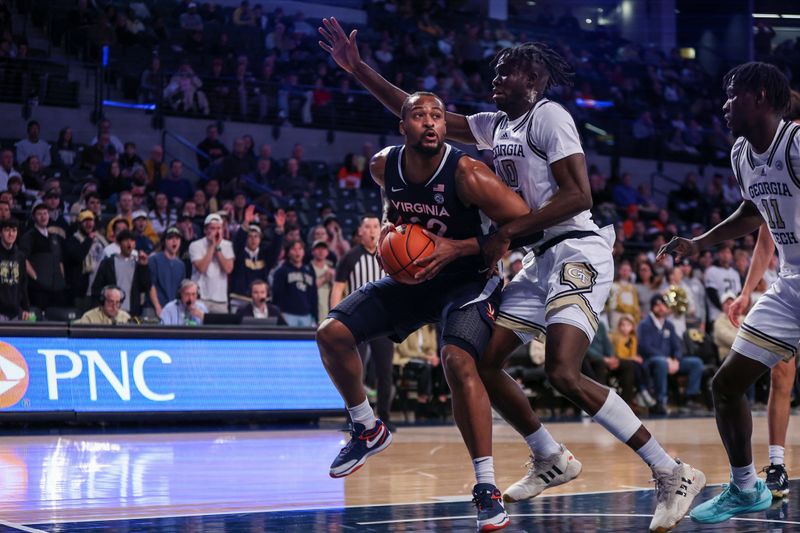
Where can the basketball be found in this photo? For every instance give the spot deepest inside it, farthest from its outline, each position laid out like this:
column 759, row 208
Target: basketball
column 401, row 248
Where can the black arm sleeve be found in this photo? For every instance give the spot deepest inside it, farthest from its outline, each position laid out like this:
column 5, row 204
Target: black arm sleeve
column 713, row 295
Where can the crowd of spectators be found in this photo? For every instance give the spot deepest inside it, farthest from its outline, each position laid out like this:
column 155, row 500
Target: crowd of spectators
column 98, row 228
column 251, row 63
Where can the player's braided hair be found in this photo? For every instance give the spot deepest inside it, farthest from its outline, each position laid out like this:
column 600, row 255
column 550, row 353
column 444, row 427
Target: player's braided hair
column 755, row 76
column 526, row 55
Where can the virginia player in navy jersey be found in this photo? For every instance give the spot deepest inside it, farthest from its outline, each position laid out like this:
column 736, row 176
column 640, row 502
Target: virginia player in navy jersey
column 435, row 185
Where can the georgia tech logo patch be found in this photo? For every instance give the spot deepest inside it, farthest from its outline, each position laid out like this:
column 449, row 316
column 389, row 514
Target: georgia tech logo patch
column 13, row 375
column 578, row 275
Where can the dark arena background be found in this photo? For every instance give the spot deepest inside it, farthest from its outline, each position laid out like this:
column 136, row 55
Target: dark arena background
column 181, row 184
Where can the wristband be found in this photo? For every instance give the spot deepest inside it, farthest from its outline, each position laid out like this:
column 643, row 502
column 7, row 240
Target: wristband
column 218, row 248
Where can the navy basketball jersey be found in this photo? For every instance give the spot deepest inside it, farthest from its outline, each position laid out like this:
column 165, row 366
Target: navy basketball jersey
column 435, row 205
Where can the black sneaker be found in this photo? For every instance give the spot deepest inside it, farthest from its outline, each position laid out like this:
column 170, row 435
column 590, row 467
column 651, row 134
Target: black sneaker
column 659, row 409
column 777, row 480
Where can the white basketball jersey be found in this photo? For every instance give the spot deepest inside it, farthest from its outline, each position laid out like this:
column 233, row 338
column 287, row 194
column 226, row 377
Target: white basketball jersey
column 525, row 148
column 772, row 182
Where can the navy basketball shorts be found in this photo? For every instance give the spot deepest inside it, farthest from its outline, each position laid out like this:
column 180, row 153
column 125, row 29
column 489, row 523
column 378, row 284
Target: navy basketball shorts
column 466, row 306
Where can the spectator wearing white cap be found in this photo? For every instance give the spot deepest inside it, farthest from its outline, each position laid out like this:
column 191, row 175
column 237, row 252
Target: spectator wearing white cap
column 191, row 19
column 140, row 222
column 212, row 260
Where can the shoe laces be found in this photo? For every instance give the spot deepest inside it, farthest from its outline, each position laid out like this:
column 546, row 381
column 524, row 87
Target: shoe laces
column 772, row 471
column 538, row 464
column 355, row 437
column 666, row 484
column 484, row 499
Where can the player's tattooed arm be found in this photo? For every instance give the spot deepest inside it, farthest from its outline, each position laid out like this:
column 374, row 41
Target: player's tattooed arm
column 343, row 48
column 746, row 219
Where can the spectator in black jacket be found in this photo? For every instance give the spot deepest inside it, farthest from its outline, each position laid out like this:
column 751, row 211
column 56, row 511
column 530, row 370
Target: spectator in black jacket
column 294, row 288
column 43, row 251
column 13, row 277
column 293, row 184
column 126, row 270
column 260, row 306
column 212, row 146
column 83, row 253
column 254, row 257
column 236, row 164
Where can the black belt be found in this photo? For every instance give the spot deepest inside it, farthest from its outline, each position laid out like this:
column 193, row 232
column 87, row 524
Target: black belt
column 574, row 234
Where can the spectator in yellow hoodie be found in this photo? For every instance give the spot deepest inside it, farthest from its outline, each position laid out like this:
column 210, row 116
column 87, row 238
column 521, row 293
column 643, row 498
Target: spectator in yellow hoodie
column 626, row 348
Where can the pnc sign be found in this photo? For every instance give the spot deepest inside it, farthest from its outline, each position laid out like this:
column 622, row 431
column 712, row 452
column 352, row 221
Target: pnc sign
column 13, row 375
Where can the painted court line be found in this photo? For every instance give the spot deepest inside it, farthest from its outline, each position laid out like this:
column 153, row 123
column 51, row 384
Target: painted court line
column 588, row 515
column 437, row 501
column 20, row 527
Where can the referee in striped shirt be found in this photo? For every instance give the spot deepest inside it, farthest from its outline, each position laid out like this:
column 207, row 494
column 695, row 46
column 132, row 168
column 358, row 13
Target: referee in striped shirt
column 358, row 267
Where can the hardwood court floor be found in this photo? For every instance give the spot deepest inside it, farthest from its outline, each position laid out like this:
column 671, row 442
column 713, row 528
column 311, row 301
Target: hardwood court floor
column 73, row 479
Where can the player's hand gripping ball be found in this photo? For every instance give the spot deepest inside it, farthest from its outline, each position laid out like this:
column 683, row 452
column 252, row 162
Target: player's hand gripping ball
column 400, row 248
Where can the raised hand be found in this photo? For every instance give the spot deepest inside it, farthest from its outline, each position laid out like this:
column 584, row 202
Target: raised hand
column 679, row 247
column 249, row 214
column 342, row 48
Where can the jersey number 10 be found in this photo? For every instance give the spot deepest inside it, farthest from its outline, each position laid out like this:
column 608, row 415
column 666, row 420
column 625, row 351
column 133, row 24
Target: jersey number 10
column 508, row 171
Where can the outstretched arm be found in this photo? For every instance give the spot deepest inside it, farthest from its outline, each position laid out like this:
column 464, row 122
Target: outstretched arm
column 344, row 50
column 746, row 219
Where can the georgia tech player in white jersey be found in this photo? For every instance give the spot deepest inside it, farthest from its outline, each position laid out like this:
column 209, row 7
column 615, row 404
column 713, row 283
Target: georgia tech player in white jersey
column 766, row 163
column 566, row 276
column 526, row 147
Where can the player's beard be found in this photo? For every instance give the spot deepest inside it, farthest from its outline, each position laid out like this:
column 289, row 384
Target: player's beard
column 428, row 150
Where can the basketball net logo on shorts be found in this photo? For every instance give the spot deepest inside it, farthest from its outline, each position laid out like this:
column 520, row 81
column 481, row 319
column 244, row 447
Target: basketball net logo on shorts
column 13, row 375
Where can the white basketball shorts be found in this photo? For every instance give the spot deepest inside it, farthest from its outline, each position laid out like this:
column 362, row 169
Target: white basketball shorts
column 567, row 284
column 771, row 330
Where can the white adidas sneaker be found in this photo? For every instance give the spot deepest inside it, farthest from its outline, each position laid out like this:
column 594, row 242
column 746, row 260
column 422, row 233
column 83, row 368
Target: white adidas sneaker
column 675, row 492
column 544, row 473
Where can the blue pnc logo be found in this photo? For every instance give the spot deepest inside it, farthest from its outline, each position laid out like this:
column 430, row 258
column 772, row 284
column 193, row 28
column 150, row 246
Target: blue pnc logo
column 72, row 367
column 119, row 375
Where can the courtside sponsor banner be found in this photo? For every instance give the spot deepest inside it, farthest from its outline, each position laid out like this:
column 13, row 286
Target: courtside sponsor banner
column 85, row 375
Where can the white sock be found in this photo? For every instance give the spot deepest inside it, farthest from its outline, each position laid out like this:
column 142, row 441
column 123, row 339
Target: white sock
column 744, row 477
column 542, row 443
column 363, row 414
column 656, row 457
column 617, row 417
column 775, row 454
column 484, row 469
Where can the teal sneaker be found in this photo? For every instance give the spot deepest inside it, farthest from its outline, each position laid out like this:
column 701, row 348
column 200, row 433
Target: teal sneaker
column 731, row 502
